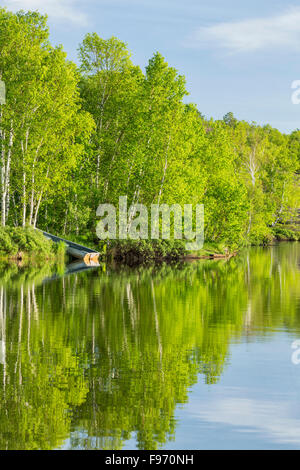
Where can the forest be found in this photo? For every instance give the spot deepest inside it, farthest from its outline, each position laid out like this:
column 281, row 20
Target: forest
column 73, row 136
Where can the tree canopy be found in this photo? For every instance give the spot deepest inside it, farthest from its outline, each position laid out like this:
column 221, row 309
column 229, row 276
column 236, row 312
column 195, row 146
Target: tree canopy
column 73, row 137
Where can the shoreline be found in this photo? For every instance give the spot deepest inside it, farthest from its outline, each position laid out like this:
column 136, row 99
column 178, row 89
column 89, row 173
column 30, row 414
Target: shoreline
column 25, row 259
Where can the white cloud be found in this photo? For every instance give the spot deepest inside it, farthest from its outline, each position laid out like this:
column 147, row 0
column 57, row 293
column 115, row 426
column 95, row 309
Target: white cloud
column 65, row 10
column 275, row 420
column 253, row 34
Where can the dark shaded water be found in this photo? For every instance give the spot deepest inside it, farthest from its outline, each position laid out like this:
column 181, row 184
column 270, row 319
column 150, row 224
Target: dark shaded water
column 195, row 357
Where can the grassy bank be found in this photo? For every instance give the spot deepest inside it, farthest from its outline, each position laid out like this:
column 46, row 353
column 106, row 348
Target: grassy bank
column 26, row 244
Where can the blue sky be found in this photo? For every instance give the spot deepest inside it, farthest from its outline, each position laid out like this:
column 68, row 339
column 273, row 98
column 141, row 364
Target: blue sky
column 238, row 56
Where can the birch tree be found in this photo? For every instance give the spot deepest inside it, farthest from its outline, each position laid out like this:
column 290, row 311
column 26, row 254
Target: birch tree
column 41, row 124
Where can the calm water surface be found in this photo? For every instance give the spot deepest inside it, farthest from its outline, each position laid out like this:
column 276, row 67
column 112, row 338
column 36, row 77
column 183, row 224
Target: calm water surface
column 195, row 357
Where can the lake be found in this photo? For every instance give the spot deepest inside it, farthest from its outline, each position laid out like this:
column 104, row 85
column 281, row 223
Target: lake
column 192, row 356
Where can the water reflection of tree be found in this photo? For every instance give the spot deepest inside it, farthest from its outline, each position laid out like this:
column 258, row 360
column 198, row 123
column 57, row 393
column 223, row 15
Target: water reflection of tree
column 113, row 354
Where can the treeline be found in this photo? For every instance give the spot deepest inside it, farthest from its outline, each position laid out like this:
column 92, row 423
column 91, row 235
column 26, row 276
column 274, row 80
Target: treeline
column 74, row 137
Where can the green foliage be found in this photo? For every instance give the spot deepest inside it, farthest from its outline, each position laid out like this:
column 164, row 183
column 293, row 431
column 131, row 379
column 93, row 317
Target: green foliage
column 42, row 128
column 281, row 233
column 7, row 245
column 133, row 251
column 60, row 250
column 14, row 240
column 73, row 138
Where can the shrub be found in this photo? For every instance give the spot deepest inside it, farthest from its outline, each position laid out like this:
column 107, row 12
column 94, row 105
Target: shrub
column 26, row 240
column 285, row 234
column 137, row 251
column 60, row 250
column 7, row 245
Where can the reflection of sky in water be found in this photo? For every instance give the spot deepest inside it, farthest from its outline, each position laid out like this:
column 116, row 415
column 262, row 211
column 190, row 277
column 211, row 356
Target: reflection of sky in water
column 253, row 407
column 256, row 406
